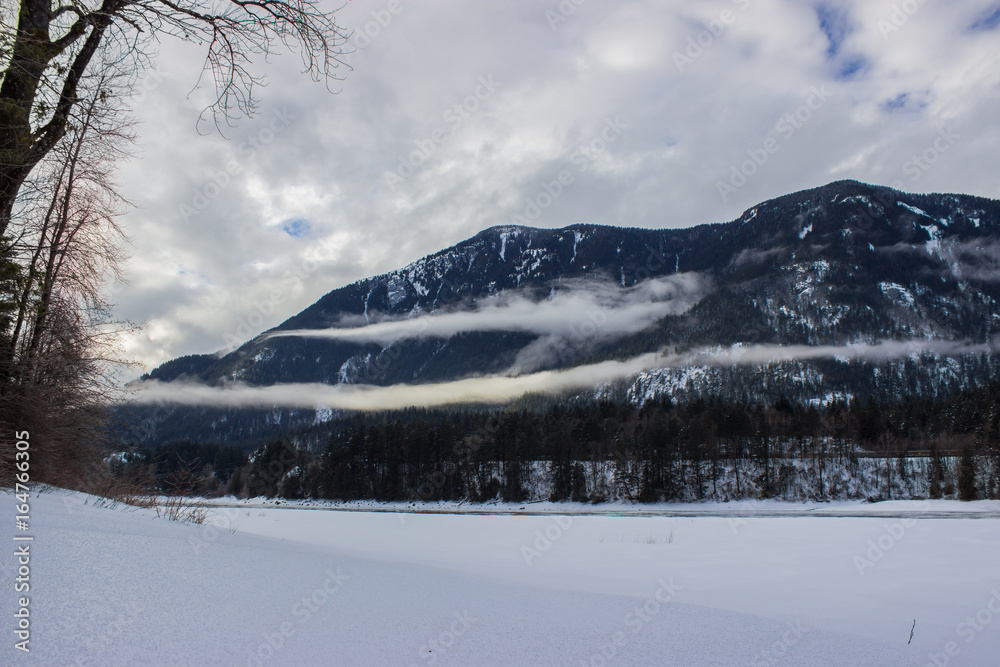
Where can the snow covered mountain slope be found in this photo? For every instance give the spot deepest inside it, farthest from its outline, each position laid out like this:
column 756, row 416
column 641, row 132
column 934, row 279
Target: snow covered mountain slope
column 842, row 264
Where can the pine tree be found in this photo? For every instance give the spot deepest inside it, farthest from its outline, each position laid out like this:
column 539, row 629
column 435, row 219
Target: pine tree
column 937, row 473
column 989, row 440
column 579, row 494
column 967, row 475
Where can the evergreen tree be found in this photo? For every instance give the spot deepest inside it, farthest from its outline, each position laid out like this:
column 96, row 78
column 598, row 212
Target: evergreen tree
column 560, row 465
column 967, row 475
column 271, row 463
column 937, row 473
column 579, row 492
column 989, row 442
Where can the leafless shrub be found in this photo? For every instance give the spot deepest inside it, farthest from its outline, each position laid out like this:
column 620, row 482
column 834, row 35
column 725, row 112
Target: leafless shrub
column 178, row 508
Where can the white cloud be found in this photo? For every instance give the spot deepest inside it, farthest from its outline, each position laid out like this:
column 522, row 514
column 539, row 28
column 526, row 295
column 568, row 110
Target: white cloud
column 611, row 311
column 575, row 316
column 495, row 389
column 195, row 282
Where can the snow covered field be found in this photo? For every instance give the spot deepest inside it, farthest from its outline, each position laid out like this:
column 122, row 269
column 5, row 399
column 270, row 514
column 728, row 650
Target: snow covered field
column 283, row 585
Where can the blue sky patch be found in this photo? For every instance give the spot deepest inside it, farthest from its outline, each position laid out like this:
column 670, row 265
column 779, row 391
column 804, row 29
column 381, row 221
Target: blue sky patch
column 852, row 67
column 835, row 25
column 988, row 20
column 906, row 102
column 898, row 102
column 296, row 228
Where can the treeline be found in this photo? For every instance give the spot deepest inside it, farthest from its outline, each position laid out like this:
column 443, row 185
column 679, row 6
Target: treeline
column 182, row 468
column 602, row 450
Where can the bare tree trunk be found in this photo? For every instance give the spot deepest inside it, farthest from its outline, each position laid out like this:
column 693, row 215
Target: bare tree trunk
column 58, row 355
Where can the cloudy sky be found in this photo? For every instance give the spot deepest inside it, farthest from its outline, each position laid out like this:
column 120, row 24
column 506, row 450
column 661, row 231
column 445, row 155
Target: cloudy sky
column 455, row 115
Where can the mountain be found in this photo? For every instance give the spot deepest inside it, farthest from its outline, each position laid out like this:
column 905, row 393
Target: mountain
column 845, row 263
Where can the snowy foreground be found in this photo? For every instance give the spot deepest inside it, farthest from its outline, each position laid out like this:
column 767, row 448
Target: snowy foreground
column 267, row 584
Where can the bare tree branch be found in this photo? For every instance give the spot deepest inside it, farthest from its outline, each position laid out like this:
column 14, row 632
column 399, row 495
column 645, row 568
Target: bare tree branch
column 48, row 57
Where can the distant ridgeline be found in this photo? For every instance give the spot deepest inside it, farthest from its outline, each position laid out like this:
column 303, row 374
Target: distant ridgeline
column 835, row 266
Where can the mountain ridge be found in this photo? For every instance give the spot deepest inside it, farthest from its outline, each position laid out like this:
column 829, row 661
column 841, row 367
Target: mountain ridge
column 847, row 262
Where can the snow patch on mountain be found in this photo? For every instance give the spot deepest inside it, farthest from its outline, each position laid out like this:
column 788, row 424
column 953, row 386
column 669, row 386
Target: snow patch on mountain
column 505, row 235
column 265, row 354
column 577, row 237
column 397, row 290
column 914, row 209
column 897, row 293
column 351, row 369
column 324, row 415
column 933, row 246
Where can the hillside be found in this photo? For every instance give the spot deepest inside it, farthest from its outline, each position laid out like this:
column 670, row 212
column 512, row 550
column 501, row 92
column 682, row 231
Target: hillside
column 843, row 264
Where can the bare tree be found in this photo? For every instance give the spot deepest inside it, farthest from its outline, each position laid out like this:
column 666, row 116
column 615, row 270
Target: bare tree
column 47, row 47
column 66, row 67
column 61, row 354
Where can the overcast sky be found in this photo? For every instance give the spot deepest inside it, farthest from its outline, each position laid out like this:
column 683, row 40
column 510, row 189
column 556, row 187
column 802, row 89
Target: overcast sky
column 652, row 110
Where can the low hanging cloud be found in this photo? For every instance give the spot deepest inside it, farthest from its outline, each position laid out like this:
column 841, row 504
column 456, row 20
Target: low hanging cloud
column 977, row 260
column 487, row 389
column 974, row 260
column 573, row 313
column 880, row 352
column 498, row 389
